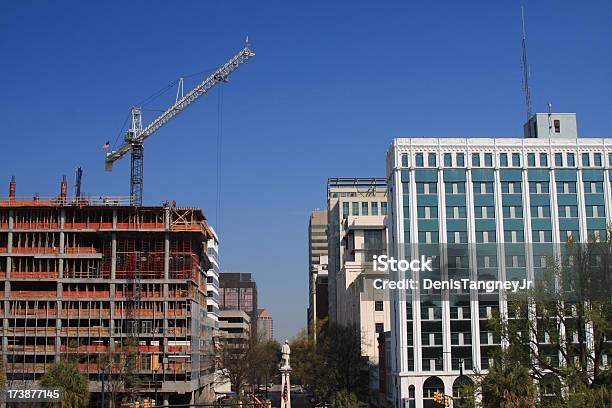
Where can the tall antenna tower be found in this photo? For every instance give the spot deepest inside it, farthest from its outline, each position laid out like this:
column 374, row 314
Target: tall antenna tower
column 525, row 65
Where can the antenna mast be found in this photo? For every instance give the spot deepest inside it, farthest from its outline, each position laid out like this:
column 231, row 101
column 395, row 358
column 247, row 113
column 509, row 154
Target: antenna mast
column 525, row 65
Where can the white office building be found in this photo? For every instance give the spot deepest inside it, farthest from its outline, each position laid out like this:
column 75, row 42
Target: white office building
column 483, row 207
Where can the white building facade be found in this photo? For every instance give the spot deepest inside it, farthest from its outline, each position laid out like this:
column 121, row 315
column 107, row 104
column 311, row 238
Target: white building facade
column 484, row 209
column 357, row 231
column 212, row 280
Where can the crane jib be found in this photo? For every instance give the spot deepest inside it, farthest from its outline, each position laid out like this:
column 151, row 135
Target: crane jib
column 221, row 74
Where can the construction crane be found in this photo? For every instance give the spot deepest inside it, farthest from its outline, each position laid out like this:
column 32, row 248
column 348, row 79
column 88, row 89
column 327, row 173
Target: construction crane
column 136, row 135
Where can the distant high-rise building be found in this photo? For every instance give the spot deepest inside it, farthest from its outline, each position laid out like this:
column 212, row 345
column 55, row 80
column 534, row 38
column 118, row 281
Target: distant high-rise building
column 484, row 210
column 265, row 325
column 317, row 267
column 238, row 291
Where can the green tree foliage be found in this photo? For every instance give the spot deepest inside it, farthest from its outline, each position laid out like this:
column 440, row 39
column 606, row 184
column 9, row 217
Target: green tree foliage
column 508, row 384
column 333, row 364
column 342, row 399
column 308, row 365
column 75, row 385
column 263, row 359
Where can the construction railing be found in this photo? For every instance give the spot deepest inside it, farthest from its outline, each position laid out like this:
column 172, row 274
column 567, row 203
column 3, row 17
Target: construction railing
column 35, row 275
column 91, row 348
column 65, row 201
column 33, row 293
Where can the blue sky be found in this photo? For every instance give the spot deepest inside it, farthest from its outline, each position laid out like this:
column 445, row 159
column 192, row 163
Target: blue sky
column 332, row 83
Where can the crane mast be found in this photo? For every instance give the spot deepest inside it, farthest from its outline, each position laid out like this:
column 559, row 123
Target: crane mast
column 136, row 135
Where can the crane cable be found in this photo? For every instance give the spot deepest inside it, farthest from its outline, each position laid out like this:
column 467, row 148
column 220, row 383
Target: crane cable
column 219, row 139
column 156, row 95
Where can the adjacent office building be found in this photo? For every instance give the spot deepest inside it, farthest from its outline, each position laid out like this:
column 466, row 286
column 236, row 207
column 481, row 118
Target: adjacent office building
column 357, row 233
column 483, row 209
column 235, row 328
column 238, row 291
column 317, row 268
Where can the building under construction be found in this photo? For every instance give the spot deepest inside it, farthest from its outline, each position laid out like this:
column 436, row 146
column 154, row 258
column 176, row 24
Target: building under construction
column 117, row 288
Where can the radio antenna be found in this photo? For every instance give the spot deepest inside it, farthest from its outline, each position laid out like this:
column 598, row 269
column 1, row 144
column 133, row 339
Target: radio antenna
column 525, row 65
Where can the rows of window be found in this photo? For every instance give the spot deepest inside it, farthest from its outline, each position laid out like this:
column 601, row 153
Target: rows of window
column 364, row 208
column 480, row 159
column 566, row 210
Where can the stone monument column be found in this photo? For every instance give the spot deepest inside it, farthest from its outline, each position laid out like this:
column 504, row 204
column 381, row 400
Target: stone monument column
column 285, row 370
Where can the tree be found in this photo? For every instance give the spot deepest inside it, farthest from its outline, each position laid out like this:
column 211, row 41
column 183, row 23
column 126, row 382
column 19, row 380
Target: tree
column 119, row 371
column 333, row 364
column 343, row 399
column 233, row 364
column 561, row 329
column 344, row 355
column 264, row 358
column 75, row 385
column 247, row 361
column 309, row 367
column 508, row 384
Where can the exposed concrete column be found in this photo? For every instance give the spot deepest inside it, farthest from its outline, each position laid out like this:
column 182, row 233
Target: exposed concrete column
column 166, row 277
column 5, row 325
column 166, row 256
column 9, row 244
column 113, row 255
column 166, row 245
column 7, row 287
column 62, row 237
column 60, row 269
column 113, row 285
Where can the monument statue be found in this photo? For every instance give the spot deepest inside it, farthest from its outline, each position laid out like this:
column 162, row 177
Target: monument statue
column 285, row 370
column 285, row 351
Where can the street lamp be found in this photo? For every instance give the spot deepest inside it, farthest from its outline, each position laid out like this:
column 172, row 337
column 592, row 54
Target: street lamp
column 460, row 379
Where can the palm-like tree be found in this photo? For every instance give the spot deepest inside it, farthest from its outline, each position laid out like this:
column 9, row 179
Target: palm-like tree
column 508, row 385
column 75, row 385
